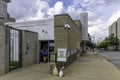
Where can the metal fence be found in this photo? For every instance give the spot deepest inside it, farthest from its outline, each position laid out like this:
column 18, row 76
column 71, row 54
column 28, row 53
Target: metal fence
column 15, row 47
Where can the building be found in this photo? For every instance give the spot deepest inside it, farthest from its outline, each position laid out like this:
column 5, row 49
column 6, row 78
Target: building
column 60, row 32
column 3, row 19
column 3, row 10
column 4, row 16
column 99, row 40
column 67, row 36
column 84, row 21
column 112, row 28
column 17, row 47
column 115, row 29
column 21, row 43
column 118, row 28
column 45, row 30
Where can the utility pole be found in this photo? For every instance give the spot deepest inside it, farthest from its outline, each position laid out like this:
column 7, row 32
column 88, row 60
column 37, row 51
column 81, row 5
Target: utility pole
column 93, row 42
column 116, row 38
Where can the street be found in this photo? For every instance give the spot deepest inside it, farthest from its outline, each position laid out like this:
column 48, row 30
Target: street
column 113, row 57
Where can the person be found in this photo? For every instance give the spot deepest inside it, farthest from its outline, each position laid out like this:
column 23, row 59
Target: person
column 44, row 54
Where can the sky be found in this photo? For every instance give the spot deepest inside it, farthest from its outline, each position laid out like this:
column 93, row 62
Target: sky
column 101, row 13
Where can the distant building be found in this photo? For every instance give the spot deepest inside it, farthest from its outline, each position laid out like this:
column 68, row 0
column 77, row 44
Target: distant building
column 84, row 21
column 118, row 28
column 99, row 40
column 112, row 28
column 115, row 29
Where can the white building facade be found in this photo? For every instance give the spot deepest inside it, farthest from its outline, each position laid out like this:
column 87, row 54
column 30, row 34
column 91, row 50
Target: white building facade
column 44, row 28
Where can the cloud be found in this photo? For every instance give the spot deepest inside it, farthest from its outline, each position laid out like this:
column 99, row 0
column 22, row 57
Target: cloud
column 57, row 9
column 114, row 18
column 73, row 11
column 33, row 10
column 98, row 29
column 102, row 13
column 20, row 9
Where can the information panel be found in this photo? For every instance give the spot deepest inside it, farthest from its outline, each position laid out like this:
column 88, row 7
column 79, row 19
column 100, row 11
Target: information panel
column 61, row 55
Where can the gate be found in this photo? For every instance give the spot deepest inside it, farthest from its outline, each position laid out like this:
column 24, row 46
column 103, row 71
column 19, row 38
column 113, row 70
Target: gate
column 15, row 47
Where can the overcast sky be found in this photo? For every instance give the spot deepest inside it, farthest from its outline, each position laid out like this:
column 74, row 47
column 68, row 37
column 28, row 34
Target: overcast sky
column 102, row 13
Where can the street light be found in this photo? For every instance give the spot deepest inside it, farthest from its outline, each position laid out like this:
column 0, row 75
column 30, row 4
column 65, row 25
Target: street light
column 93, row 42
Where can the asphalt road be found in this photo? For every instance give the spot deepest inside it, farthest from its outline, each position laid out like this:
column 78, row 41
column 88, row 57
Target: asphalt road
column 113, row 57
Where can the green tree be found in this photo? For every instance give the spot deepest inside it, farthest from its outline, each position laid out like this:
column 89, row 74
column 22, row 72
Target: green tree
column 102, row 45
column 89, row 44
column 111, row 41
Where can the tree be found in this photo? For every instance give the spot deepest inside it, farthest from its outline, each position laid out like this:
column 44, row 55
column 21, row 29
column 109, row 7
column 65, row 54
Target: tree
column 103, row 45
column 111, row 41
column 89, row 44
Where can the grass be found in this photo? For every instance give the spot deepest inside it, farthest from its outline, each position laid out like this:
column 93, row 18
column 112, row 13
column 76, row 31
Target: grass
column 14, row 63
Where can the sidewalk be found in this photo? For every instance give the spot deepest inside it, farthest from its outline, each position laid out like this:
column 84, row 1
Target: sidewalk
column 33, row 72
column 88, row 67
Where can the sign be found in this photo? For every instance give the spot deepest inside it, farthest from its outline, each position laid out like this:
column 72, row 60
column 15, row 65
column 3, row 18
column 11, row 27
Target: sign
column 62, row 55
column 84, row 21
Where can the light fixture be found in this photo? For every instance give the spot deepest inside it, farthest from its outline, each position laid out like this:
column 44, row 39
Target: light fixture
column 44, row 31
column 67, row 26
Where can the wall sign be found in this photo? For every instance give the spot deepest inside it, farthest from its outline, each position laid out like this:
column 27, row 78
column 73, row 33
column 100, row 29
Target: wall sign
column 62, row 55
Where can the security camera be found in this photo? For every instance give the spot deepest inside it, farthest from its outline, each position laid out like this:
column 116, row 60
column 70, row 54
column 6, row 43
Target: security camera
column 67, row 26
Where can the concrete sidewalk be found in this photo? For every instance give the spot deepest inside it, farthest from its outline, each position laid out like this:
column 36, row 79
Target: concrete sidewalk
column 33, row 72
column 88, row 67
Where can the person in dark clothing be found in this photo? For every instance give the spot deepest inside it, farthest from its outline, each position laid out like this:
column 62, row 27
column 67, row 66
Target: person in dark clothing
column 44, row 54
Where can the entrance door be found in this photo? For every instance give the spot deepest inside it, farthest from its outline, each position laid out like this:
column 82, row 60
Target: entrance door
column 50, row 48
column 15, row 48
column 42, row 45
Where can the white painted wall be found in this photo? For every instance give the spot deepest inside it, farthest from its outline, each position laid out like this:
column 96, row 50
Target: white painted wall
column 44, row 28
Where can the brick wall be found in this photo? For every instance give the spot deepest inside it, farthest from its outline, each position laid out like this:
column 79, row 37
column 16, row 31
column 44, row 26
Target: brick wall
column 29, row 48
column 79, row 25
column 7, row 46
column 66, row 38
column 2, row 50
column 3, row 9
